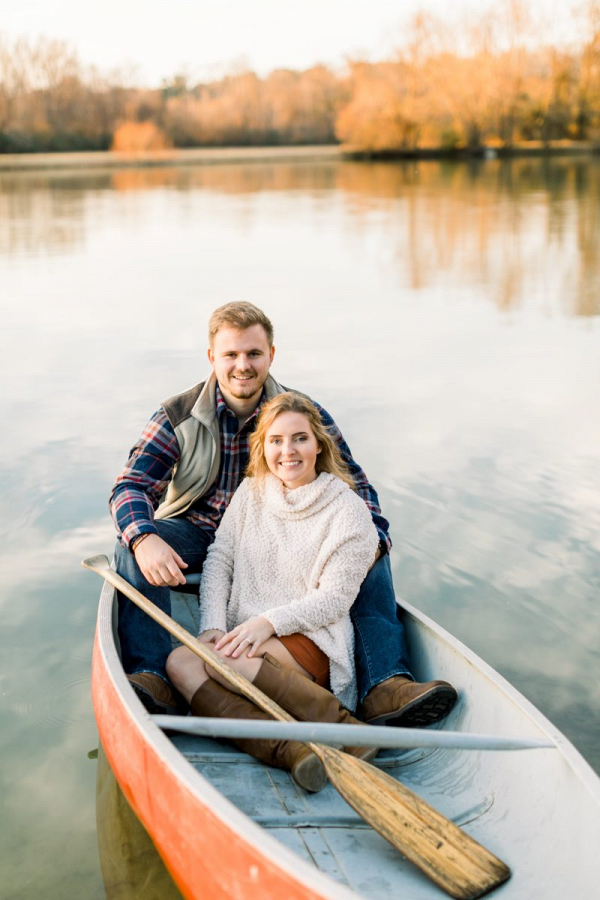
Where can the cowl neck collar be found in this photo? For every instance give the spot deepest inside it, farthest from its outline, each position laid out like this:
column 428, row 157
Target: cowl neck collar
column 302, row 501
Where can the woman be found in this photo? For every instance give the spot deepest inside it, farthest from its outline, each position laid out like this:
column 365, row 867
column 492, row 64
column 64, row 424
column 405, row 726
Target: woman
column 286, row 565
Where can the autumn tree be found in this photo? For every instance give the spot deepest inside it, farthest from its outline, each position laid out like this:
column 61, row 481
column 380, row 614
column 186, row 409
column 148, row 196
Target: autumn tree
column 587, row 115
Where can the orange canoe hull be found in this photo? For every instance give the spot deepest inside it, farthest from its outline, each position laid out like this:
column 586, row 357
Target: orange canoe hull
column 211, row 850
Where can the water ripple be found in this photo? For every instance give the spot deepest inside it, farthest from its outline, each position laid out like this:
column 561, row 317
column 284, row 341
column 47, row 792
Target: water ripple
column 59, row 706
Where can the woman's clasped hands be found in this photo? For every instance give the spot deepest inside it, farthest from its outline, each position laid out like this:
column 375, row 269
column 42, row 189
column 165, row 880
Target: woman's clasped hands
column 250, row 636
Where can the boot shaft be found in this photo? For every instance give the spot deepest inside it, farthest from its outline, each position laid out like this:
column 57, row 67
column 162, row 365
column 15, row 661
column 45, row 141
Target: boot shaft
column 305, row 700
column 212, row 699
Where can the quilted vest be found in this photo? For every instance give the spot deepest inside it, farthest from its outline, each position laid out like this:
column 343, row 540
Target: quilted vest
column 193, row 415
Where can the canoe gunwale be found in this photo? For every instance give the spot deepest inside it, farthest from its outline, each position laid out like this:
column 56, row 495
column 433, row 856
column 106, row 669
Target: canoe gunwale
column 579, row 766
column 279, row 870
column 107, row 665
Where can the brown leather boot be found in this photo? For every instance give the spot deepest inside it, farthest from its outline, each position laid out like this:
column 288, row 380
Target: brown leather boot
column 156, row 694
column 211, row 699
column 400, row 701
column 305, row 700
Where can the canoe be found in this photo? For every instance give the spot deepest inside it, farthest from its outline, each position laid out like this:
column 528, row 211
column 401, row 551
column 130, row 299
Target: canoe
column 228, row 827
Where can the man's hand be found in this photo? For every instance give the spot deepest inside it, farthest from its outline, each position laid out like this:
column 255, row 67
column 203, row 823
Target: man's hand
column 210, row 636
column 248, row 636
column 159, row 563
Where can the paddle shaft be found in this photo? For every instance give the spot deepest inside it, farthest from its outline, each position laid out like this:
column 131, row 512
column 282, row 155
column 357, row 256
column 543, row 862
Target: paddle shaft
column 101, row 566
column 451, row 858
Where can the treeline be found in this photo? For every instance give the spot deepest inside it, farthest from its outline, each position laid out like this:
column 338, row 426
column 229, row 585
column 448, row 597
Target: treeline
column 49, row 101
column 492, row 83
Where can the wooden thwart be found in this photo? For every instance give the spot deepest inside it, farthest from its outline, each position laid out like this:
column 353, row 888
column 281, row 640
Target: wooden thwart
column 446, row 854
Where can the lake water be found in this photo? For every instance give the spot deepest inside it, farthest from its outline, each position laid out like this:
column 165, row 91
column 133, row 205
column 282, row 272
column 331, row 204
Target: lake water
column 447, row 315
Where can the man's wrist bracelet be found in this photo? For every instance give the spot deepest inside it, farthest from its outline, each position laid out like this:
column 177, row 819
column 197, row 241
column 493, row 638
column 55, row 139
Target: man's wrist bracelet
column 136, row 543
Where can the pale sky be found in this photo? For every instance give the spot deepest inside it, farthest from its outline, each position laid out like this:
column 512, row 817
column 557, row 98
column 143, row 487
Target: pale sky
column 205, row 38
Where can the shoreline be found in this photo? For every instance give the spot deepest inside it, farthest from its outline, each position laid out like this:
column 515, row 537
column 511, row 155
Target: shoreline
column 310, row 153
column 164, row 158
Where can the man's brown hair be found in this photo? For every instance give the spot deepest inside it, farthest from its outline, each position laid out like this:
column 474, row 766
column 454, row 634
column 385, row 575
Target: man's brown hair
column 239, row 314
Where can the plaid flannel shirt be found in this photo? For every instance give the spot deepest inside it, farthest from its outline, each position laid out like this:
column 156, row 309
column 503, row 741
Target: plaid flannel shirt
column 143, row 481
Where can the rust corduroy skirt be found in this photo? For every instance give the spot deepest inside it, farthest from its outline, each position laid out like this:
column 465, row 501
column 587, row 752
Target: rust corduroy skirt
column 309, row 656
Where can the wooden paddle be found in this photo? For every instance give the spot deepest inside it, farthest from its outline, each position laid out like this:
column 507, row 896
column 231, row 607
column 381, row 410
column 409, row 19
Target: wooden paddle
column 451, row 858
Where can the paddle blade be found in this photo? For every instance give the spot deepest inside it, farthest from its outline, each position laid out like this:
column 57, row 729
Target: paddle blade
column 452, row 859
column 98, row 563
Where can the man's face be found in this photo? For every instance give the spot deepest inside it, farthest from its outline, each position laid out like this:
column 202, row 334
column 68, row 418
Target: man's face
column 241, row 360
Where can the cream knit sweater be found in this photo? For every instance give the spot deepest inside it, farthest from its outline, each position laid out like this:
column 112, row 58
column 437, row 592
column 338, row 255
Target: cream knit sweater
column 296, row 557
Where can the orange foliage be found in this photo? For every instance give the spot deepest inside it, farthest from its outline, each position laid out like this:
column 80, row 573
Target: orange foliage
column 287, row 107
column 138, row 137
column 381, row 114
column 490, row 80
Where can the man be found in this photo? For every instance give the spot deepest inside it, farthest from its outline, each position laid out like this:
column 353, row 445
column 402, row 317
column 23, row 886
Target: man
column 169, row 499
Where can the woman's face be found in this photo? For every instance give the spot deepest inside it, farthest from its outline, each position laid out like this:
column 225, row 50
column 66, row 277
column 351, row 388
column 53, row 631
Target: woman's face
column 291, row 449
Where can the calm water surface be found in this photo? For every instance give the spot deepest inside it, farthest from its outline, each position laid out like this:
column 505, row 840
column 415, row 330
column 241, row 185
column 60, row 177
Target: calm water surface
column 447, row 315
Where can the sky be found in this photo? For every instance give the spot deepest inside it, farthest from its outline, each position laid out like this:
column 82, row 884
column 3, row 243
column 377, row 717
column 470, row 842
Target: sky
column 157, row 39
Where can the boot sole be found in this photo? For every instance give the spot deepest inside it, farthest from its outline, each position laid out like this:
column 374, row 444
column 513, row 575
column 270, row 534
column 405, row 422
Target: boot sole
column 310, row 774
column 422, row 711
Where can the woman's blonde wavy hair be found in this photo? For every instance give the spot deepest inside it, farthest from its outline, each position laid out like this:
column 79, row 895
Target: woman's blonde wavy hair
column 328, row 460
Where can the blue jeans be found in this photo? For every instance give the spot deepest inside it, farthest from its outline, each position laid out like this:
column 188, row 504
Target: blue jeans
column 380, row 648
column 145, row 645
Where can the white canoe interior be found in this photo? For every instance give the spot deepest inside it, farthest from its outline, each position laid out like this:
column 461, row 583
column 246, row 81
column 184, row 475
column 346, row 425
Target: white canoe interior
column 538, row 810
